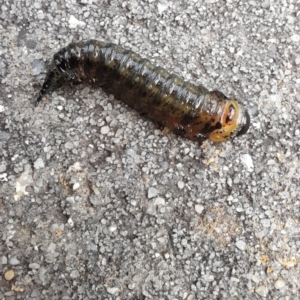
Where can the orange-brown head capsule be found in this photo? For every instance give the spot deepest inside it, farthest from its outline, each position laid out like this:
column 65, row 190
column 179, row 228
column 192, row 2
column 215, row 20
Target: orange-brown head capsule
column 234, row 121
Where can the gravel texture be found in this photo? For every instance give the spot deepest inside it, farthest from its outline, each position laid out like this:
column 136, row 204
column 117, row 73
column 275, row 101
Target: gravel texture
column 95, row 203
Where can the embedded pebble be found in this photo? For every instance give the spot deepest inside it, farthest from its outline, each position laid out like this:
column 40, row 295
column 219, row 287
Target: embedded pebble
column 22, row 182
column 180, row 184
column 39, row 164
column 199, row 209
column 105, row 130
column 34, row 293
column 241, row 245
column 70, row 222
column 3, row 260
column 9, row 275
column 76, row 185
column 279, row 284
column 159, row 201
column 255, row 278
column 247, row 161
column 131, row 286
column 113, row 228
column 262, row 291
column 42, row 272
column 40, row 15
column 73, row 22
column 161, row 7
column 152, row 192
column 34, row 266
column 234, row 279
column 262, row 233
column 3, row 177
column 4, row 136
column 14, row 261
column 2, row 168
column 131, row 153
column 68, row 145
column 295, row 38
column 112, row 290
column 266, row 222
column 37, row 66
column 208, row 278
column 74, row 274
column 2, row 108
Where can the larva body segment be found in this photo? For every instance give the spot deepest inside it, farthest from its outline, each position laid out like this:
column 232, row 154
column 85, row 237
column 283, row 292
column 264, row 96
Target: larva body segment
column 189, row 110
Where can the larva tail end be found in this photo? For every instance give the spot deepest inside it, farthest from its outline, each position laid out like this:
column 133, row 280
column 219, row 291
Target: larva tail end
column 39, row 99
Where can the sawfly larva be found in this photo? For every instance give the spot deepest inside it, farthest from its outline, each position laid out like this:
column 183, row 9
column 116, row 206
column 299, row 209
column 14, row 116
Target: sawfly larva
column 188, row 110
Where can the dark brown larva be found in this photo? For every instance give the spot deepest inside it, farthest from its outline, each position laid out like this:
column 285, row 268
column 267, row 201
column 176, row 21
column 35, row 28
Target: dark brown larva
column 188, row 110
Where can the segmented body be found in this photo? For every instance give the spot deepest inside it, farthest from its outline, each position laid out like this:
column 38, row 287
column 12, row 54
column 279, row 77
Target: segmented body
column 187, row 109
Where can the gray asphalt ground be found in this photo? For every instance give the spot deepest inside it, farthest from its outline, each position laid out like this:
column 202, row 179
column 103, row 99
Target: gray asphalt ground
column 95, row 203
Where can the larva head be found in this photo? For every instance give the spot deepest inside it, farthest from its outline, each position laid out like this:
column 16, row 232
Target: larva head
column 235, row 121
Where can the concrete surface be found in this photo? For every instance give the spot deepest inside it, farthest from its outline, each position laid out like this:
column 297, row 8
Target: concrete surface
column 96, row 204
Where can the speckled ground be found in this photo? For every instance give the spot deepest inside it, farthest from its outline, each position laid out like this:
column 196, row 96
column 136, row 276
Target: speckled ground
column 96, row 204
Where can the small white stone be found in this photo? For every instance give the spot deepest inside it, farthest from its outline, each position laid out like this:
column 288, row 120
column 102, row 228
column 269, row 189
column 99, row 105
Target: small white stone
column 152, row 192
column 74, row 274
column 70, row 222
column 199, row 209
column 113, row 228
column 34, row 266
column 131, row 286
column 112, row 290
column 21, row 183
column 159, row 201
column 234, row 279
column 14, row 261
column 247, row 161
column 3, row 177
column 68, row 145
column 279, row 284
column 208, row 278
column 47, row 149
column 73, row 22
column 104, row 130
column 39, row 164
column 76, row 185
column 131, row 153
column 262, row 291
column 2, row 108
column 3, row 260
column 266, row 222
column 295, row 38
column 255, row 277
column 240, row 245
column 180, row 184
column 40, row 15
column 162, row 7
column 184, row 242
column 123, row 40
